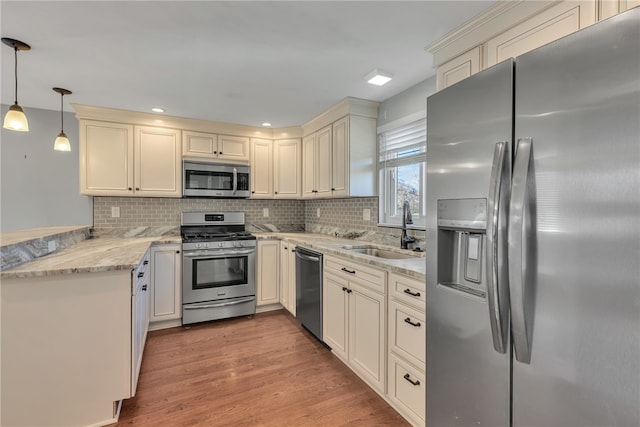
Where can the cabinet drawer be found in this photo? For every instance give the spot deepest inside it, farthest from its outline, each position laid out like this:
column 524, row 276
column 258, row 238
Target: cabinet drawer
column 374, row 278
column 409, row 291
column 407, row 389
column 407, row 332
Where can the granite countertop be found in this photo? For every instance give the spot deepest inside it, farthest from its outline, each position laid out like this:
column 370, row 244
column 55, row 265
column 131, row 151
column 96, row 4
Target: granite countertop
column 107, row 252
column 414, row 267
column 24, row 236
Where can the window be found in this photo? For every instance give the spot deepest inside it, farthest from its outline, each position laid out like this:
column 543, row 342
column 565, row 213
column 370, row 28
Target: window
column 403, row 172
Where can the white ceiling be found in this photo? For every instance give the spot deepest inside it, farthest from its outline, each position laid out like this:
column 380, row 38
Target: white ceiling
column 237, row 62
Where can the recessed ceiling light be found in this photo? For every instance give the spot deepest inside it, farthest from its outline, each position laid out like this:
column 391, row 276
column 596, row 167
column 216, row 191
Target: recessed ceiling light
column 378, row 77
column 266, row 124
column 157, row 110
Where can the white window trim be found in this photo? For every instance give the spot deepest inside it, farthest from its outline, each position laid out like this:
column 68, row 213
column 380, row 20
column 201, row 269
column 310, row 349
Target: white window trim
column 382, row 179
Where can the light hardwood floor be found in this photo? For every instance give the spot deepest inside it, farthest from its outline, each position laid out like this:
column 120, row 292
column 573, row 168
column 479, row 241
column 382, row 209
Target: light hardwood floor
column 264, row 370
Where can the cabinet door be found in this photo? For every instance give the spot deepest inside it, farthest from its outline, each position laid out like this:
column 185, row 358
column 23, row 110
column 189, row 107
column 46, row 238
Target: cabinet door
column 367, row 335
column 292, row 279
column 565, row 18
column 233, row 148
column 308, row 166
column 323, row 162
column 459, row 68
column 267, row 272
column 166, row 279
column 340, row 157
column 158, row 171
column 284, row 275
column 200, row 145
column 106, row 158
column 261, row 168
column 335, row 314
column 287, row 171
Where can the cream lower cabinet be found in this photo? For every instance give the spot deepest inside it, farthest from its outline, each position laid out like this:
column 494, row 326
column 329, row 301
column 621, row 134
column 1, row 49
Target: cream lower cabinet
column 407, row 347
column 267, row 266
column 354, row 318
column 124, row 160
column 166, row 289
column 288, row 276
column 287, row 171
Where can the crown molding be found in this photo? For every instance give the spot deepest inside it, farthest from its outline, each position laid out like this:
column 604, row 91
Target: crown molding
column 89, row 112
column 349, row 105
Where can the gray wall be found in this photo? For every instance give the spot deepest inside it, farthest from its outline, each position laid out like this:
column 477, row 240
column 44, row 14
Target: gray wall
column 406, row 103
column 39, row 187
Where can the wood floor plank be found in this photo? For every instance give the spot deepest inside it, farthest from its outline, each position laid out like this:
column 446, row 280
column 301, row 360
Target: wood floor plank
column 263, row 370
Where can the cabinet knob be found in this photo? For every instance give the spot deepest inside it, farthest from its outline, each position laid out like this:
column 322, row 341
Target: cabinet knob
column 253, row 192
column 130, row 188
column 344, row 289
column 137, row 189
column 276, row 192
column 215, row 152
column 333, row 189
column 177, row 252
column 144, row 287
column 220, row 152
column 349, row 291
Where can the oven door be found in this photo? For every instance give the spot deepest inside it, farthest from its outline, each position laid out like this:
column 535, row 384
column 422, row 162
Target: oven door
column 210, row 275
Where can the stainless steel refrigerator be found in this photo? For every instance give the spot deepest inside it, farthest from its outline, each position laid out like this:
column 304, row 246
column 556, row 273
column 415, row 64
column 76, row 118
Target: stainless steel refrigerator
column 533, row 237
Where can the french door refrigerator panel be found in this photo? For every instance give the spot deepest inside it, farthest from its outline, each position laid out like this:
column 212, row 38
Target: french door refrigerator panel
column 467, row 380
column 578, row 100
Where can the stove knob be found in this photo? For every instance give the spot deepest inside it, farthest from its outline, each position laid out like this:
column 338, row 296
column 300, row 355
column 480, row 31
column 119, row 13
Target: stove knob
column 220, row 244
column 198, row 245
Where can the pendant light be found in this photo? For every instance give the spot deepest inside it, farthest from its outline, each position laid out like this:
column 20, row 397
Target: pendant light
column 62, row 142
column 15, row 118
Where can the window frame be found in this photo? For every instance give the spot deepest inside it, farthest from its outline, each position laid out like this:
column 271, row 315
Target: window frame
column 389, row 161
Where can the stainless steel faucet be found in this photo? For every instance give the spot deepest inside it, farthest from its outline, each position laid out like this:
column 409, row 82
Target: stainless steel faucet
column 406, row 219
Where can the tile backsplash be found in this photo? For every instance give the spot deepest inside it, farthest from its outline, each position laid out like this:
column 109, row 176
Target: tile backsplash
column 341, row 216
column 161, row 212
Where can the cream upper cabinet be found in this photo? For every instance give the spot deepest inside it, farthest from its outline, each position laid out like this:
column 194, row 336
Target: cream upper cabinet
column 287, row 173
column 354, row 157
column 560, row 20
column 158, row 163
column 509, row 29
column 215, row 147
column 459, row 68
column 261, row 168
column 125, row 160
column 106, row 158
column 267, row 262
column 316, row 165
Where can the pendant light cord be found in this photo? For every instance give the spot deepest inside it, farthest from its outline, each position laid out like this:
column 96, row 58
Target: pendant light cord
column 61, row 115
column 15, row 70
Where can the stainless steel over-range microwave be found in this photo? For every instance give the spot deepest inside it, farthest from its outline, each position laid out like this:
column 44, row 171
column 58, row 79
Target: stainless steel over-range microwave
column 206, row 179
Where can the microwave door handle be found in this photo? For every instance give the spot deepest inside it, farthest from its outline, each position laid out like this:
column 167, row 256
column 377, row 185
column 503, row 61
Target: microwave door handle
column 235, row 180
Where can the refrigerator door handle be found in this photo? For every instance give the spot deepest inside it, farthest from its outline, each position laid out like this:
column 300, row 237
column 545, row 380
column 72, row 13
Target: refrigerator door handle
column 496, row 265
column 520, row 253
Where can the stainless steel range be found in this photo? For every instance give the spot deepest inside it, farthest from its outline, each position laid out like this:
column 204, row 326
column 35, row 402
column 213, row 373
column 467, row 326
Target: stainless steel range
column 218, row 266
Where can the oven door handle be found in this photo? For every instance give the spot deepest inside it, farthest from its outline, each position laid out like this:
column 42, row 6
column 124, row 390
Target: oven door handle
column 217, row 305
column 217, row 254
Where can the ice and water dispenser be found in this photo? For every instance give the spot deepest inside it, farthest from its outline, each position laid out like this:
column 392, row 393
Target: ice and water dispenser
column 462, row 227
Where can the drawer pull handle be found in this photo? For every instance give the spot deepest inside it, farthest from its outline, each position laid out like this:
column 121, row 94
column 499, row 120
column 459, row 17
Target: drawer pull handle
column 408, row 291
column 145, row 262
column 348, row 271
column 408, row 378
column 144, row 287
column 408, row 320
column 141, row 274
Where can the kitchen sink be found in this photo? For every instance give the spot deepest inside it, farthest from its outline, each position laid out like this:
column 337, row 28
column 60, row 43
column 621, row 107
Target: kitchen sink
column 376, row 252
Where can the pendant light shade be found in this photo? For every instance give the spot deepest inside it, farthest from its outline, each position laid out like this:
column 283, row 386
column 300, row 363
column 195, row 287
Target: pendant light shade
column 15, row 118
column 62, row 142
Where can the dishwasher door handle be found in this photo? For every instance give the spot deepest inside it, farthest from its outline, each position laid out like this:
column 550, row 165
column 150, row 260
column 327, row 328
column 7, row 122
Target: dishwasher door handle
column 307, row 257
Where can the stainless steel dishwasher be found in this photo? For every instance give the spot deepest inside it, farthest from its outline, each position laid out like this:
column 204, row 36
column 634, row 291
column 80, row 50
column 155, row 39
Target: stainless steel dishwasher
column 309, row 290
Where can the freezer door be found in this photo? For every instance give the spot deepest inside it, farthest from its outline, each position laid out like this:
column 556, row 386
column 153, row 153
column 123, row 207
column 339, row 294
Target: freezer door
column 578, row 102
column 467, row 379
